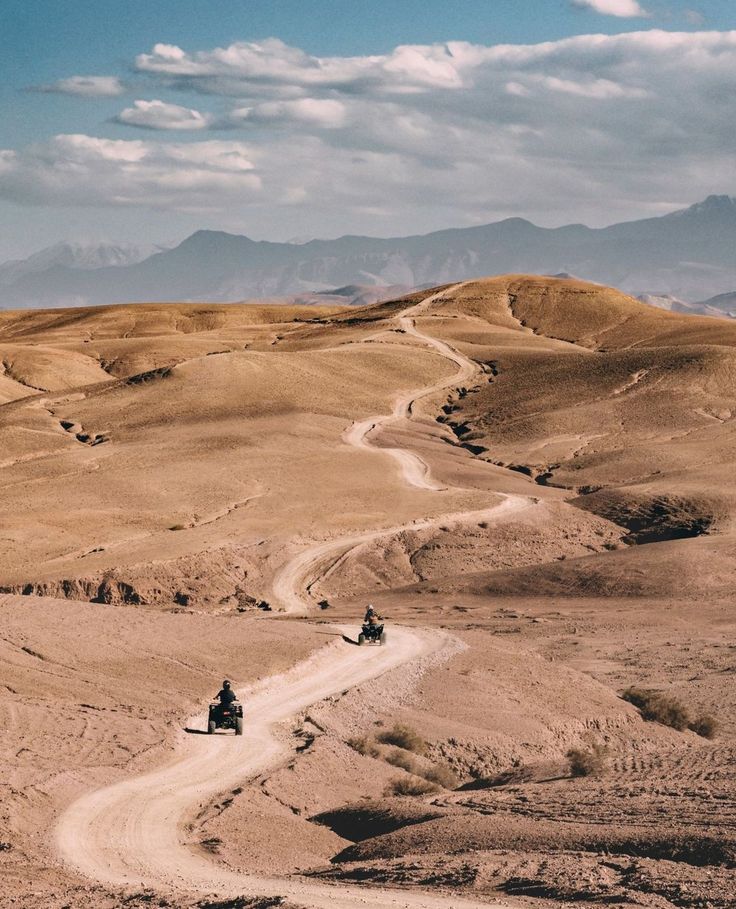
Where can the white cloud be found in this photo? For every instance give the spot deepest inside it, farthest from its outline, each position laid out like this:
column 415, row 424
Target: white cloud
column 86, row 86
column 623, row 8
column 589, row 128
column 599, row 89
column 321, row 112
column 250, row 65
column 160, row 115
column 516, row 88
column 85, row 170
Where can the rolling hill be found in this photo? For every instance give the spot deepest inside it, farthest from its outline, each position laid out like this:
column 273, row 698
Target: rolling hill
column 531, row 478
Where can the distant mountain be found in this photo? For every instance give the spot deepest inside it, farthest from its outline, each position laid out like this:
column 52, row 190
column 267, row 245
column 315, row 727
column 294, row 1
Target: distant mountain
column 350, row 295
column 704, row 308
column 689, row 254
column 83, row 256
column 662, row 301
column 723, row 303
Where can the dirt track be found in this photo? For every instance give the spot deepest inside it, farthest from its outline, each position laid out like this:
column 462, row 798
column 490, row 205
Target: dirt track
column 129, row 834
column 414, row 470
column 300, row 572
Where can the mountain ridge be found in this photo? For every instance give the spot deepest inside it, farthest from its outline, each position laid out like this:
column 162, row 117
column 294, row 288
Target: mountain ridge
column 687, row 254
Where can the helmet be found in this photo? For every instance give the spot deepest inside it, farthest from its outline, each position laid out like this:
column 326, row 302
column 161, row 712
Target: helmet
column 371, row 607
column 226, row 684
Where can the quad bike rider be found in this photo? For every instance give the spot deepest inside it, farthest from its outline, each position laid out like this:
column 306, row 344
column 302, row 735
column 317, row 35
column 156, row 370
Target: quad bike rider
column 228, row 713
column 372, row 628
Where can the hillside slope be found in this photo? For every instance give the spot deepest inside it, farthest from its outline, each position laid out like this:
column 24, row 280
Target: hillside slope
column 533, row 475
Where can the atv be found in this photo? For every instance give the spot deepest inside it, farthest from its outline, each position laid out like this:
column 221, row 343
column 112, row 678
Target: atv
column 222, row 716
column 374, row 634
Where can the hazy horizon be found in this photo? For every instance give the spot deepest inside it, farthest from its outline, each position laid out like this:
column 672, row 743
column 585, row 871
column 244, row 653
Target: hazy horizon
column 91, row 240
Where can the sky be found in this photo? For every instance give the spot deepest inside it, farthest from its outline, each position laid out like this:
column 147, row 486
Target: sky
column 141, row 122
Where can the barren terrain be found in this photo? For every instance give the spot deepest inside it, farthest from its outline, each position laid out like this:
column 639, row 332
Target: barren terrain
column 531, row 477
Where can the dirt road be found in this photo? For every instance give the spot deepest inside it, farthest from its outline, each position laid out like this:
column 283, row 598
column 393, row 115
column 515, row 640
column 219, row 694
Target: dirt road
column 414, row 470
column 292, row 583
column 130, row 834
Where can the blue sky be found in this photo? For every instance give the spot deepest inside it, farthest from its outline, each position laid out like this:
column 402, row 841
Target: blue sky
column 456, row 131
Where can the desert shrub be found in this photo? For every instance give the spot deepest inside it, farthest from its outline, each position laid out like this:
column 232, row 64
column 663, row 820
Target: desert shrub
column 588, row 761
column 212, row 844
column 403, row 737
column 411, row 785
column 441, row 774
column 399, row 758
column 241, row 902
column 364, row 745
column 658, row 707
column 705, row 725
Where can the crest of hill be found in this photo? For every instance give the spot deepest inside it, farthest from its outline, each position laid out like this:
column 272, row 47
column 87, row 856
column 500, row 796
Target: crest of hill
column 61, row 349
column 582, row 313
column 140, row 320
column 628, row 408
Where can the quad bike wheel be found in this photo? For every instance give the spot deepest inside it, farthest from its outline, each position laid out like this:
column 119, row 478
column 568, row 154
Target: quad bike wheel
column 361, row 639
column 238, row 725
column 382, row 639
column 211, row 726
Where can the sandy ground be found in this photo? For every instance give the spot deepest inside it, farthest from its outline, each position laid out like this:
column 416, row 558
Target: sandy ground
column 527, row 475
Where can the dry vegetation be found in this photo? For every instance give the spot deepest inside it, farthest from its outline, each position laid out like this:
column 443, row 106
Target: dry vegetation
column 408, row 755
column 660, row 707
column 411, row 785
column 365, row 746
column 591, row 761
column 403, row 737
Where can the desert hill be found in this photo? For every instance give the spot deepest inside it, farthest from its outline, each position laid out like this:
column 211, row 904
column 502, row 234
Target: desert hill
column 532, row 478
column 624, row 409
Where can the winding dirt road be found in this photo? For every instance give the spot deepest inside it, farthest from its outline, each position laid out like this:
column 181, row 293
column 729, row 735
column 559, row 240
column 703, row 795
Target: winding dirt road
column 131, row 833
column 297, row 576
column 414, row 470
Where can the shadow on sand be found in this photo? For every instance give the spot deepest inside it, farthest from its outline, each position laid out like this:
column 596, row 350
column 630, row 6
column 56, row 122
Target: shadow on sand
column 338, row 634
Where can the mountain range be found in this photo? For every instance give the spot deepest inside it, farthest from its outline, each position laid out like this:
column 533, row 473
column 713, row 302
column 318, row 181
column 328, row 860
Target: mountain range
column 78, row 256
column 688, row 256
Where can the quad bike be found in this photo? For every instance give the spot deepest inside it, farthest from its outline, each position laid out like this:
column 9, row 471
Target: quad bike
column 373, row 634
column 222, row 716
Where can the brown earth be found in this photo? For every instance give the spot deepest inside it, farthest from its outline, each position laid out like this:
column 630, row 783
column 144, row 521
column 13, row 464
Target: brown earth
column 168, row 467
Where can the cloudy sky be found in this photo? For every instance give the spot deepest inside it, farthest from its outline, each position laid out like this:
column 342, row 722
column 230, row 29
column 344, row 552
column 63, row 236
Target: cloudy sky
column 147, row 119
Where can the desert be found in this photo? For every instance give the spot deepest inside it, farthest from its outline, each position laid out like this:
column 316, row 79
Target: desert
column 367, row 454
column 528, row 476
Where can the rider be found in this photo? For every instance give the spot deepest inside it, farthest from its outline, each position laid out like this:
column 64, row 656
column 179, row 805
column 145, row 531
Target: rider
column 371, row 616
column 226, row 695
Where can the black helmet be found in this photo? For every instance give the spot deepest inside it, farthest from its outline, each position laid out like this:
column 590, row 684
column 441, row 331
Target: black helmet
column 226, row 684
